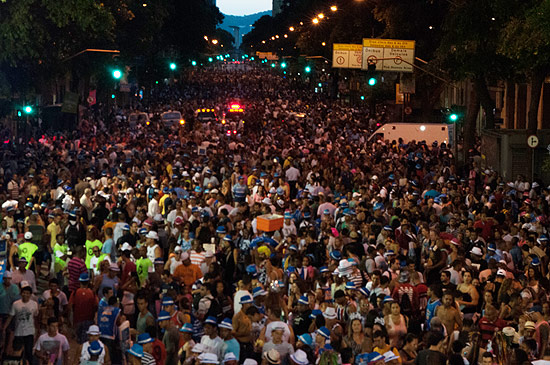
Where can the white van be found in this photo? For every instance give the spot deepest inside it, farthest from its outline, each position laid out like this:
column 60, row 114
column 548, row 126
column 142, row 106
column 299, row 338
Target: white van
column 429, row 132
column 171, row 118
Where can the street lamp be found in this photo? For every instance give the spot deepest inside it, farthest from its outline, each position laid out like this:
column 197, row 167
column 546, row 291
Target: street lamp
column 453, row 117
column 315, row 21
column 117, row 74
column 193, row 63
column 308, row 69
column 283, row 65
column 172, row 66
column 321, row 16
column 291, row 29
column 333, row 8
column 214, row 41
column 28, row 109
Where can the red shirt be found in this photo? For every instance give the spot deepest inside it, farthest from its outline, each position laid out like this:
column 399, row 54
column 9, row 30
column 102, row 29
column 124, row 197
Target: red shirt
column 159, row 352
column 129, row 267
column 84, row 302
column 488, row 329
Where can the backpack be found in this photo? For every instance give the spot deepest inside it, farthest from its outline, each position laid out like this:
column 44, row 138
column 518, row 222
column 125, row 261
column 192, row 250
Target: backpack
column 72, row 235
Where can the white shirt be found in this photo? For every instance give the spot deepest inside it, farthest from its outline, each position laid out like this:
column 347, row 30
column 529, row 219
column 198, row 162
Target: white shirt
column 292, row 174
column 60, row 295
column 53, row 345
column 24, row 314
column 214, row 346
column 153, row 208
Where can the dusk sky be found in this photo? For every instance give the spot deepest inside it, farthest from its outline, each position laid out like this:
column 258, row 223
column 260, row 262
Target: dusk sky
column 243, row 7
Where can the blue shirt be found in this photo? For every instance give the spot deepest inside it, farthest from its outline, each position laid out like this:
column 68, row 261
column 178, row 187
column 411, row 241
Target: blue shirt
column 7, row 297
column 233, row 346
column 108, row 248
column 106, row 320
column 430, row 311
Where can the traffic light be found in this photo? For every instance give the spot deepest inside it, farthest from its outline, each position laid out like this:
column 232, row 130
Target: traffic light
column 113, row 96
column 172, row 66
column 283, row 65
column 28, row 109
column 210, row 59
column 453, row 117
column 273, row 65
column 117, row 74
column 372, row 76
column 308, row 69
column 19, row 113
column 193, row 63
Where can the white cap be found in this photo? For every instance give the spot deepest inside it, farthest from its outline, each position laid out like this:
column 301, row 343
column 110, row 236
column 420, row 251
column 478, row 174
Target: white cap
column 501, row 272
column 152, row 234
column 28, row 235
column 93, row 330
column 126, row 246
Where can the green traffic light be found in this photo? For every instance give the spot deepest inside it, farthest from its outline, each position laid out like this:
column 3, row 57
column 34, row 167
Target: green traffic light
column 320, row 84
column 172, row 66
column 273, row 65
column 372, row 81
column 210, row 59
column 28, row 109
column 308, row 69
column 362, row 97
column 251, row 58
column 19, row 114
column 117, row 74
column 113, row 96
column 453, row 117
column 283, row 65
column 194, row 63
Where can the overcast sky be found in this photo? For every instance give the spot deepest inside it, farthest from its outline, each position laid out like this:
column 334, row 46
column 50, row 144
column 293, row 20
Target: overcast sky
column 243, row 7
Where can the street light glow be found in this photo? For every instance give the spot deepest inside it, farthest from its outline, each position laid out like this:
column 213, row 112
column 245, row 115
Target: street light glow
column 214, row 41
column 172, row 66
column 308, row 69
column 117, row 74
column 291, row 29
column 321, row 16
column 453, row 117
column 333, row 8
column 315, row 21
column 324, row 44
column 28, row 109
column 283, row 65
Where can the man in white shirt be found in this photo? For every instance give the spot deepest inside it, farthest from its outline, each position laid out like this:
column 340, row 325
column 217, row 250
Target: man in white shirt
column 153, row 208
column 52, row 347
column 25, row 312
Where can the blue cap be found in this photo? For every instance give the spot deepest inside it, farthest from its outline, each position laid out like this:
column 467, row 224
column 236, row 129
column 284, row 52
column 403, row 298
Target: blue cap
column 126, row 227
column 326, row 212
column 144, row 338
column 535, row 261
column 29, row 204
column 303, row 300
column 159, row 261
column 205, row 214
column 492, row 247
column 335, row 255
column 211, row 320
column 246, row 299
column 11, row 208
column 251, row 269
column 365, row 292
column 227, row 323
column 95, row 348
column 288, row 215
column 194, row 209
column 258, row 291
column 136, row 350
column 315, row 313
column 388, row 228
column 228, row 238
column 163, row 316
column 543, row 238
column 388, row 299
column 373, row 357
column 323, row 331
column 84, row 277
column 323, row 269
column 306, row 339
column 350, row 285
column 220, row 230
column 307, row 215
column 142, row 231
column 167, row 301
column 293, row 248
column 276, row 174
column 187, row 328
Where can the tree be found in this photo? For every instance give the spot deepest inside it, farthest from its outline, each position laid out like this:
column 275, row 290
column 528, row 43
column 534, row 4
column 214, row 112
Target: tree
column 526, row 40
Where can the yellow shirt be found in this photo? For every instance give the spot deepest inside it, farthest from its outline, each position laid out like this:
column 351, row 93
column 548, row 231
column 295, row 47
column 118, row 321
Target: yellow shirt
column 53, row 230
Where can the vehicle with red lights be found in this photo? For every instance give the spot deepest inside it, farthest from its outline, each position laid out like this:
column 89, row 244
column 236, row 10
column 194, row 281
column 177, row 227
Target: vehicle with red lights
column 235, row 111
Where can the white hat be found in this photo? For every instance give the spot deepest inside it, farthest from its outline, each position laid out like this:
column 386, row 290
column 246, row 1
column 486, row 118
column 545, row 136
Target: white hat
column 209, row 358
column 93, row 330
column 229, row 356
column 28, row 235
column 153, row 235
column 158, row 217
column 266, row 201
column 178, row 249
column 300, row 358
column 184, row 256
column 389, row 356
column 126, row 246
column 198, row 348
column 501, row 272
column 477, row 251
column 24, row 284
column 535, row 185
column 250, row 362
column 329, row 313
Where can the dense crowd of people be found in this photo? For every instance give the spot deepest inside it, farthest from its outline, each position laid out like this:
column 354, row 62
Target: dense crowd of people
column 152, row 245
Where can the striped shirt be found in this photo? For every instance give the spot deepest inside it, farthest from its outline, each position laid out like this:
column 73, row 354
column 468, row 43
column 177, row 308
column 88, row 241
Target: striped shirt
column 196, row 258
column 75, row 267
